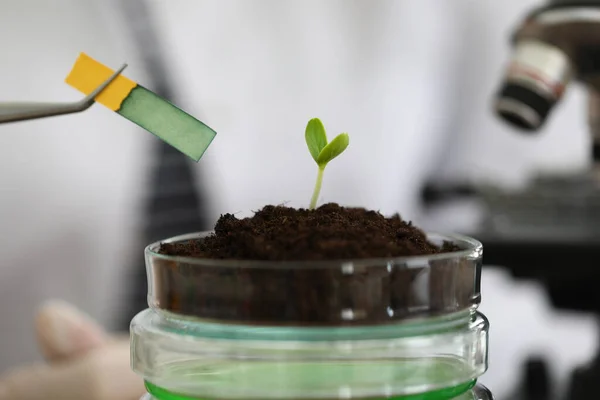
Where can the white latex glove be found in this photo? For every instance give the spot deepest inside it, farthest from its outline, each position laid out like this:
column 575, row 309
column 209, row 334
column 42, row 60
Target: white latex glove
column 83, row 362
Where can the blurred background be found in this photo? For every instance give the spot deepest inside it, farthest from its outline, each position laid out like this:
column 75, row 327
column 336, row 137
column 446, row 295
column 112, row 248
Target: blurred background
column 412, row 83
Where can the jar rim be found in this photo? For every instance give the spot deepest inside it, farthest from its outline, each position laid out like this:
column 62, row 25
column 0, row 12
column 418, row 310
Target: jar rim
column 470, row 248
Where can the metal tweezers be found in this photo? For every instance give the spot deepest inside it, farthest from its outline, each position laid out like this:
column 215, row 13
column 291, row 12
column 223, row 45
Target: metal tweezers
column 13, row 112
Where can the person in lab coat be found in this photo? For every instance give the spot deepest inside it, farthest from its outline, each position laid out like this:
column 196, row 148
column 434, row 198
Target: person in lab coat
column 409, row 81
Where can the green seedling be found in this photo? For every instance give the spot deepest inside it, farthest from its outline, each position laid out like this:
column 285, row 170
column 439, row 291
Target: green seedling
column 322, row 151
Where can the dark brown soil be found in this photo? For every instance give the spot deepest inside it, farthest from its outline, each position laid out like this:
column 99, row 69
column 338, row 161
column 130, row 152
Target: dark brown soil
column 306, row 294
column 330, row 232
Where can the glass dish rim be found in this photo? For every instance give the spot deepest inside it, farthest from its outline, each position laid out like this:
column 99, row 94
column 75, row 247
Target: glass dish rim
column 473, row 251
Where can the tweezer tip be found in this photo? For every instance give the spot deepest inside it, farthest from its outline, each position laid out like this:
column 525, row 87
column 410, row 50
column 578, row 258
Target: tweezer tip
column 90, row 98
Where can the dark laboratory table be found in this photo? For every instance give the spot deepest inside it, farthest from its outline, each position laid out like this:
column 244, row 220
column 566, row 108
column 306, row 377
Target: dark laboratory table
column 570, row 270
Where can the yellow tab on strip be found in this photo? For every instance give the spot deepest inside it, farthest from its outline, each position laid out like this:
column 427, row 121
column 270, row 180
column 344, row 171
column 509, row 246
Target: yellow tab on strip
column 87, row 74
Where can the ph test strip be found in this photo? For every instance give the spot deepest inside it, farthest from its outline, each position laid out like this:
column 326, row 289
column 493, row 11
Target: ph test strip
column 142, row 107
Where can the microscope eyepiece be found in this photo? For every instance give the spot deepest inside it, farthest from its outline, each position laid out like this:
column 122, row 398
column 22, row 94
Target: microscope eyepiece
column 535, row 81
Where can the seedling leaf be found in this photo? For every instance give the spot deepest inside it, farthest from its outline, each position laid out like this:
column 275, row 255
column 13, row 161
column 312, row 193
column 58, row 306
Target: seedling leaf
column 333, row 149
column 316, row 138
column 322, row 152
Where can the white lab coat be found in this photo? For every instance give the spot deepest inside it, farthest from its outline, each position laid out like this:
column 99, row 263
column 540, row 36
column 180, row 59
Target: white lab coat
column 69, row 185
column 392, row 74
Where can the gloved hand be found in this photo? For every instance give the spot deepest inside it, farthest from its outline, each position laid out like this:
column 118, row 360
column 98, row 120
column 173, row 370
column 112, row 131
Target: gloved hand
column 83, row 362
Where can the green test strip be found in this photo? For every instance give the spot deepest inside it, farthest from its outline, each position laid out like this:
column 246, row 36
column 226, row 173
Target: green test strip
column 143, row 107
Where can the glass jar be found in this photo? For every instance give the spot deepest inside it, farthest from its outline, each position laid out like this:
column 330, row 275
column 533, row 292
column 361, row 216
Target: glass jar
column 402, row 328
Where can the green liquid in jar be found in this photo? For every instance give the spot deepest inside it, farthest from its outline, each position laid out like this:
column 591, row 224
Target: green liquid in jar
column 287, row 378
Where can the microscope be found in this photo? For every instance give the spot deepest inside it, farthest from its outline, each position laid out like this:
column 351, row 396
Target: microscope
column 552, row 229
column 555, row 46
